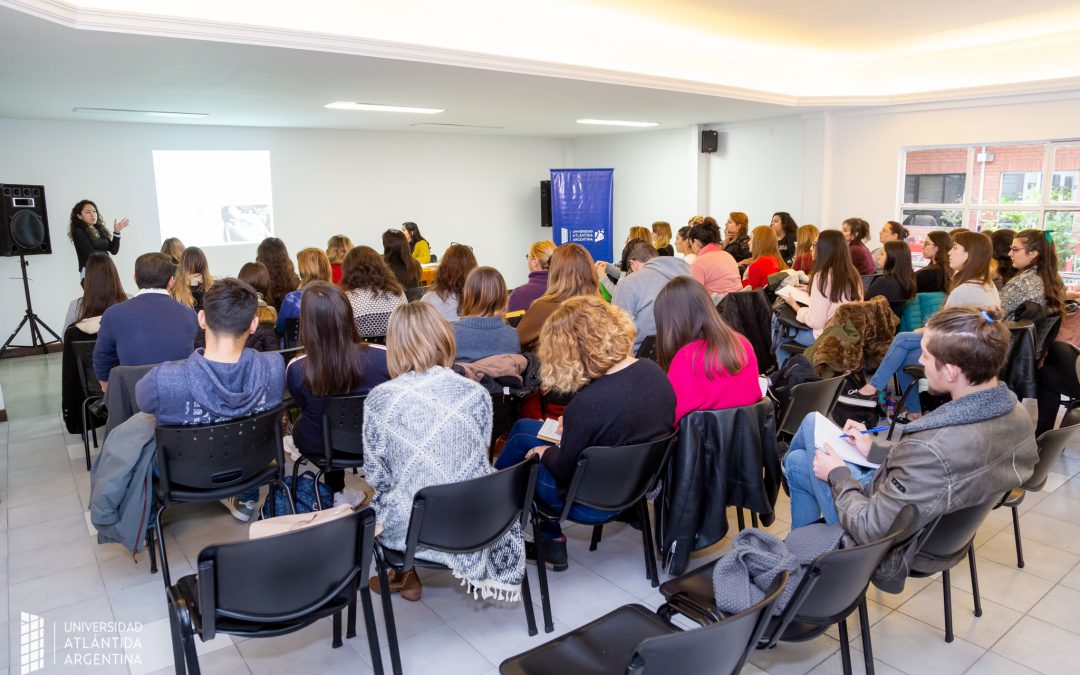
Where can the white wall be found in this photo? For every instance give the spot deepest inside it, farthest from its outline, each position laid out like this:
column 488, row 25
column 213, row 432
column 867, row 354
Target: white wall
column 479, row 190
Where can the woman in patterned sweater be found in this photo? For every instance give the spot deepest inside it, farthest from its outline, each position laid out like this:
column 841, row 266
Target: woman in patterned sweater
column 371, row 289
column 1035, row 256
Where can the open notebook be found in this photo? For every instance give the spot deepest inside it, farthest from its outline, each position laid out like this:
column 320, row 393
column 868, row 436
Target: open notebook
column 797, row 294
column 826, row 431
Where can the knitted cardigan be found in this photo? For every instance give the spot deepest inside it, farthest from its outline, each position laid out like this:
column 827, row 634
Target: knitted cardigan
column 433, row 428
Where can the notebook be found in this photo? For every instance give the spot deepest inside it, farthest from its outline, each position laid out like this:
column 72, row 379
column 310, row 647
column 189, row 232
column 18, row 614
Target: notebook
column 826, row 431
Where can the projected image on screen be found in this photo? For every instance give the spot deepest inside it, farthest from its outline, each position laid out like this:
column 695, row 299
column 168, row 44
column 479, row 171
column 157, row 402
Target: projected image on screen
column 214, row 197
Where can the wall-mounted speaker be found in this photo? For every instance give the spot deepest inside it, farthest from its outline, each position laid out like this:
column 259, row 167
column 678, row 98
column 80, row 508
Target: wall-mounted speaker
column 24, row 223
column 545, row 203
column 710, row 141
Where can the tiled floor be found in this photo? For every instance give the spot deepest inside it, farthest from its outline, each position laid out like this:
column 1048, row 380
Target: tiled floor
column 51, row 566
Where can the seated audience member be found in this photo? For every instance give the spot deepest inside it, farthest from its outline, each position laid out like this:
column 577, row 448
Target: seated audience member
column 1034, row 257
column 764, row 258
column 224, row 381
column 737, row 237
column 337, row 247
column 283, row 279
column 786, row 230
column 481, row 331
column 934, row 277
column 418, row 246
column 399, row 259
column 683, row 247
column 1003, row 268
column 430, row 426
column 974, row 448
column 897, row 281
column 971, row 287
column 445, row 293
column 314, row 265
column 371, row 289
column 714, row 268
column 610, row 275
column 599, row 372
column 101, row 289
column 539, row 260
column 572, row 273
column 805, row 238
column 647, row 274
column 173, row 248
column 193, row 278
column 710, row 366
column 856, row 230
column 149, row 328
column 661, row 238
column 834, row 281
column 336, row 362
column 890, row 231
column 265, row 337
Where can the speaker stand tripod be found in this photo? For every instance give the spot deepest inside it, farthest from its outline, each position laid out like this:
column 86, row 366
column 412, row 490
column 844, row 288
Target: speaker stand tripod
column 36, row 324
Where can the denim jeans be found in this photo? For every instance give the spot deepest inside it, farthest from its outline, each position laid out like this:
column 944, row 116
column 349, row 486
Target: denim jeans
column 804, row 337
column 811, row 497
column 521, row 439
column 904, row 351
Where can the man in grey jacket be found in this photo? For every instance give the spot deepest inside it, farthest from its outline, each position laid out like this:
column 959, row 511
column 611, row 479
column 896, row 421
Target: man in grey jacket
column 972, row 449
column 648, row 273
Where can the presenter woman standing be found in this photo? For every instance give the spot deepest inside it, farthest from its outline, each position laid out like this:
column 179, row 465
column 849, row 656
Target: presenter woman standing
column 89, row 234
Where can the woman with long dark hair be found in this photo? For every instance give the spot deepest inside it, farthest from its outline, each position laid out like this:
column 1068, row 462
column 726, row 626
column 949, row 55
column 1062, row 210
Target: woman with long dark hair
column 419, row 246
column 88, row 233
column 1003, row 269
column 265, row 338
column 371, row 289
column 786, row 230
column 1034, row 257
column 890, row 231
column 934, row 277
column 336, row 362
column 454, row 267
column 856, row 230
column 897, row 281
column 399, row 259
column 709, row 365
column 283, row 278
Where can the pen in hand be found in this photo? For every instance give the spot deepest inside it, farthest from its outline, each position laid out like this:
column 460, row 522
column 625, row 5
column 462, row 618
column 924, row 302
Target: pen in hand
column 874, row 430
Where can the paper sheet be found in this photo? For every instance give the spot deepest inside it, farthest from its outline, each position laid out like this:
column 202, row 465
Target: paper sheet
column 797, row 294
column 550, row 431
column 826, row 431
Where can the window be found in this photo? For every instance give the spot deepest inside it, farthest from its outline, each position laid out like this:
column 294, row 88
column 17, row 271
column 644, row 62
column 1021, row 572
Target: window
column 989, row 187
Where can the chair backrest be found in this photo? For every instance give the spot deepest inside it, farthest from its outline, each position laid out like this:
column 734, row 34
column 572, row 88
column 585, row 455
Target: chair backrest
column 949, row 536
column 614, row 478
column 472, row 514
column 290, row 354
column 809, row 397
column 416, row 292
column 837, row 580
column 84, row 360
column 373, row 324
column 210, row 456
column 286, row 576
column 1051, row 445
column 868, row 279
column 343, row 424
column 720, row 647
column 647, row 350
column 292, row 333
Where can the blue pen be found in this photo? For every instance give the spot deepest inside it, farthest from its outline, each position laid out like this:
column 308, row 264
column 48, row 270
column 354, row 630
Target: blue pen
column 868, row 431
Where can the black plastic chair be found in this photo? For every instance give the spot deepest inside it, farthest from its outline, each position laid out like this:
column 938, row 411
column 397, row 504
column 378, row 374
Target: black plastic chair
column 292, row 333
column 1051, row 445
column 211, row 462
column 416, row 292
column 647, row 350
column 289, row 354
column 789, row 327
column 943, row 544
column 633, row 639
column 343, row 439
column 612, row 479
column 277, row 585
column 806, row 398
column 459, row 518
column 831, row 589
column 372, row 327
column 92, row 391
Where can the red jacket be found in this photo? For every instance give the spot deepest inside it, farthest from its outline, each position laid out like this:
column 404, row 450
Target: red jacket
column 757, row 274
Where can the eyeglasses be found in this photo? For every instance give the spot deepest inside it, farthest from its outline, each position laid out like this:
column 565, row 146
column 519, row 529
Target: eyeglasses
column 1016, row 249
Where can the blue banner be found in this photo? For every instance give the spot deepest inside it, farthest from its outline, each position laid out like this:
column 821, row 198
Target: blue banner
column 581, row 210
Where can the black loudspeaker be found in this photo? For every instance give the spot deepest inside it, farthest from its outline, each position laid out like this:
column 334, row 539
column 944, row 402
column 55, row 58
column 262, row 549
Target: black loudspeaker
column 545, row 203
column 710, row 141
column 24, row 223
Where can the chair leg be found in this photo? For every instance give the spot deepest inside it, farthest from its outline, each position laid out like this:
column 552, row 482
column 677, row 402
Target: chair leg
column 337, row 630
column 647, row 542
column 900, row 407
column 597, row 533
column 192, row 657
column 947, row 592
column 974, row 581
column 369, row 625
column 86, row 435
column 753, row 519
column 177, row 641
column 864, row 627
column 93, row 433
column 1016, row 533
column 526, row 599
column 350, row 624
column 295, row 477
column 318, row 495
column 845, row 647
column 742, row 521
column 151, row 549
column 388, row 612
column 541, row 573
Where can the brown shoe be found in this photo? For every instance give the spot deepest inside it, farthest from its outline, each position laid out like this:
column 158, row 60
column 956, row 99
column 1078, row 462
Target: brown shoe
column 407, row 583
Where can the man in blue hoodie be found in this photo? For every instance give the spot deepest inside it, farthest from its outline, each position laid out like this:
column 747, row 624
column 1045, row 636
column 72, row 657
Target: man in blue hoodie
column 647, row 275
column 222, row 381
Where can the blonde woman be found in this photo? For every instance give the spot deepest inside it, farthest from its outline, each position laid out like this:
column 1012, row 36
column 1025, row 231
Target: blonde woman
column 314, row 265
column 764, row 258
column 661, row 238
column 173, row 248
column 805, row 238
column 193, row 278
column 337, row 248
column 481, row 331
column 597, row 371
column 430, row 426
column 572, row 273
column 539, row 260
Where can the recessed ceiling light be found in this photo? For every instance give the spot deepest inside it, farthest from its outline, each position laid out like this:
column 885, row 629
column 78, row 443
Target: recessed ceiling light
column 455, row 126
column 375, row 107
column 148, row 113
column 619, row 123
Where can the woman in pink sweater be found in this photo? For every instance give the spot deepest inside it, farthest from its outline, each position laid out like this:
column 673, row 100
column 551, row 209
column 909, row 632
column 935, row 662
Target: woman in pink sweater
column 710, row 366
